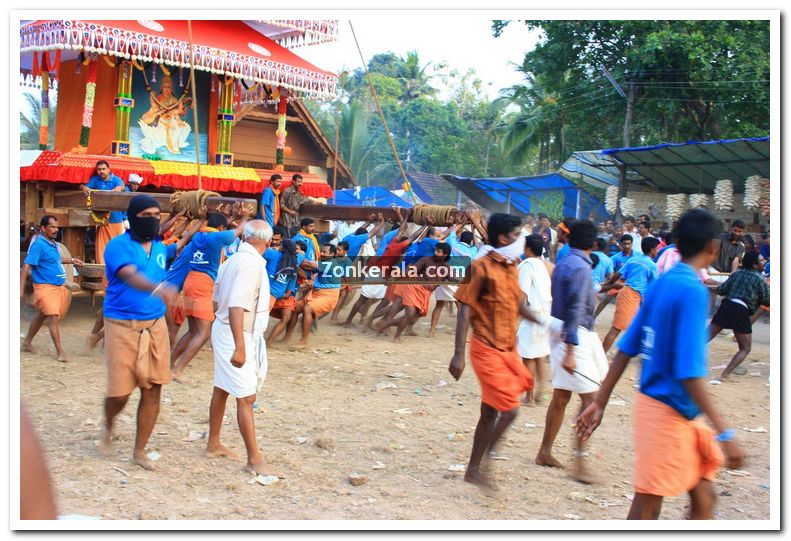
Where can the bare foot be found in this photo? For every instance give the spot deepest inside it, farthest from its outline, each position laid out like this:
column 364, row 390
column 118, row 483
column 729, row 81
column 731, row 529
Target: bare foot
column 300, row 345
column 348, row 324
column 481, row 481
column 179, row 376
column 28, row 347
column 582, row 474
column 62, row 357
column 369, row 323
column 217, row 451
column 105, row 447
column 397, row 339
column 262, row 468
column 432, row 334
column 548, row 460
column 92, row 340
column 410, row 332
column 143, row 461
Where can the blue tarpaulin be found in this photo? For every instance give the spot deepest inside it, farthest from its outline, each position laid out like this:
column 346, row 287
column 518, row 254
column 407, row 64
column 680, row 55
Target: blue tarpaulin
column 515, row 194
column 372, row 196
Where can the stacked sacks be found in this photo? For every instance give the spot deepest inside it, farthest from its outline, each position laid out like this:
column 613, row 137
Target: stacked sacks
column 675, row 206
column 752, row 192
column 627, row 206
column 611, row 199
column 698, row 200
column 723, row 194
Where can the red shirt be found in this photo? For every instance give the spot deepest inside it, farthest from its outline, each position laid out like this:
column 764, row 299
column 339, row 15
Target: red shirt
column 391, row 255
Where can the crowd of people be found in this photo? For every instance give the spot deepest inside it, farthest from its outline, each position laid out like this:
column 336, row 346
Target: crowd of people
column 531, row 296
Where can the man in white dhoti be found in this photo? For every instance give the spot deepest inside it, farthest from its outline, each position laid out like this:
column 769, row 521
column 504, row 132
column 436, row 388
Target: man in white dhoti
column 532, row 337
column 577, row 360
column 237, row 338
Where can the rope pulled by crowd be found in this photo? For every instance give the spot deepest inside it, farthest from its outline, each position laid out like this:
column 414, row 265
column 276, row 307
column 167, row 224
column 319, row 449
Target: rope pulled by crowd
column 193, row 201
column 442, row 214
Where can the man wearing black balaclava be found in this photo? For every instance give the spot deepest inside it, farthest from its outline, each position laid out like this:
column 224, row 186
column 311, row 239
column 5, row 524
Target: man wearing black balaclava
column 137, row 348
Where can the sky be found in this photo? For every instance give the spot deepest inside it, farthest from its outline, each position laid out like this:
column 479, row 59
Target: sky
column 462, row 42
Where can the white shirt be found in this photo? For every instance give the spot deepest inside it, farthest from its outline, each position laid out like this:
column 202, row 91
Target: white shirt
column 242, row 282
column 534, row 282
column 343, row 229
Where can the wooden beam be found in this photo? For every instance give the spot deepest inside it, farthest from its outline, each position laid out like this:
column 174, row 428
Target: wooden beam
column 74, row 240
column 47, row 190
column 104, row 201
column 31, row 202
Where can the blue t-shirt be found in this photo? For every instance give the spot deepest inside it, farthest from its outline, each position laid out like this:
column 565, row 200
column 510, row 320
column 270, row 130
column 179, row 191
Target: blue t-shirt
column 278, row 285
column 602, row 269
column 620, row 259
column 355, row 243
column 122, row 301
column 329, row 276
column 563, row 252
column 45, row 262
column 95, row 183
column 179, row 269
column 310, row 254
column 380, row 250
column 206, row 250
column 639, row 272
column 459, row 249
column 268, row 202
column 669, row 333
column 421, row 249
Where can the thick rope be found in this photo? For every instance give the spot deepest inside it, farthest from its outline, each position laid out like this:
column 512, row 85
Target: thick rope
column 194, row 105
column 193, row 201
column 443, row 215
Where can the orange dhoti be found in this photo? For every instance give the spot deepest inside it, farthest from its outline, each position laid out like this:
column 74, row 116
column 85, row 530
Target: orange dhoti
column 392, row 292
column 416, row 296
column 176, row 312
column 502, row 375
column 198, row 292
column 104, row 234
column 672, row 453
column 276, row 306
column 137, row 354
column 51, row 300
column 323, row 300
column 626, row 306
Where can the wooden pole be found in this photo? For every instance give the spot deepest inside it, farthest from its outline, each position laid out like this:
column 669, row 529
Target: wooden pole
column 194, row 104
column 335, row 160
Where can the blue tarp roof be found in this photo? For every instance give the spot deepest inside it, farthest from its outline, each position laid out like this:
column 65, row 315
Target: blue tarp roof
column 696, row 166
column 597, row 169
column 372, row 196
column 493, row 193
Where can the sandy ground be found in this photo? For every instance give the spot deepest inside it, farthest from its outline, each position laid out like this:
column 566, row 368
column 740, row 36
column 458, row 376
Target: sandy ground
column 320, row 418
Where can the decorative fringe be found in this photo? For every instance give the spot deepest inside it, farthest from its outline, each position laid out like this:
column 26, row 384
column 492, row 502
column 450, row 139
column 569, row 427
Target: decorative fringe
column 96, row 38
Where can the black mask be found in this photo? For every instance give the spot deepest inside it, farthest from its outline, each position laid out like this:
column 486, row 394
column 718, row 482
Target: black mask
column 142, row 229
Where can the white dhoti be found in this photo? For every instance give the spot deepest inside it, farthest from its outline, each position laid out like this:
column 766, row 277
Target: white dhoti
column 373, row 291
column 532, row 339
column 589, row 357
column 244, row 381
column 446, row 293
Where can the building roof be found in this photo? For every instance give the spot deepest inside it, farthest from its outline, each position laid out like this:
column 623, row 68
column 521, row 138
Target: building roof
column 694, row 166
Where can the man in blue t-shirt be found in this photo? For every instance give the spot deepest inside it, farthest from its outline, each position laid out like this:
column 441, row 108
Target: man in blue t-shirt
column 109, row 225
column 637, row 273
column 45, row 265
column 207, row 246
column 674, row 453
column 137, row 348
column 269, row 209
column 282, row 264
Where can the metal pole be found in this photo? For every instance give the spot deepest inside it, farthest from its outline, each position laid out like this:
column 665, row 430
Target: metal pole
column 508, row 202
column 579, row 204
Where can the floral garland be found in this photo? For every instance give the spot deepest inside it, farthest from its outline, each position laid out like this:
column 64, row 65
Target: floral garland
column 43, row 133
column 87, row 109
column 281, row 133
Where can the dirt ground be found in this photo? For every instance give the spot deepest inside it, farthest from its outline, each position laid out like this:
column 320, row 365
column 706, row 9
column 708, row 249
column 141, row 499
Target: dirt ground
column 355, row 403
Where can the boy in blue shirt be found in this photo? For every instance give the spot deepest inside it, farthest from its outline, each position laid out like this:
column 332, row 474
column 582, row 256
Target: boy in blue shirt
column 282, row 264
column 45, row 264
column 674, row 452
column 637, row 273
column 137, row 348
column 207, row 247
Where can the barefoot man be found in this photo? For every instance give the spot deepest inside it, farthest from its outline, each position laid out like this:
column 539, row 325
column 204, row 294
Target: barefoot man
column 137, row 348
column 577, row 360
column 237, row 338
column 492, row 303
column 674, row 452
column 45, row 265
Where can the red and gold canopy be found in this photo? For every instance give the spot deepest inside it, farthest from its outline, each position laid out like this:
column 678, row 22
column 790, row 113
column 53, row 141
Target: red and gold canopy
column 230, row 48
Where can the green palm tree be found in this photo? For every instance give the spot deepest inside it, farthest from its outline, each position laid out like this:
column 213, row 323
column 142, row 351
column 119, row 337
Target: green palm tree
column 30, row 125
column 357, row 140
column 414, row 79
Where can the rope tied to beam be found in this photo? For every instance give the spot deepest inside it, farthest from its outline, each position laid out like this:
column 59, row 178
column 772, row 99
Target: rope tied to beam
column 194, row 201
column 443, row 215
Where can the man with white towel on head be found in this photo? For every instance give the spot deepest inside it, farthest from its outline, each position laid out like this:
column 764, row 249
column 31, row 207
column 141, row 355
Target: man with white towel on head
column 237, row 338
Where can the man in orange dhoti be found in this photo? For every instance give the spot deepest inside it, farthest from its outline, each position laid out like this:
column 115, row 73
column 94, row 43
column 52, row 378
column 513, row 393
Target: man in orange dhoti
column 45, row 264
column 110, row 225
column 675, row 452
column 492, row 303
